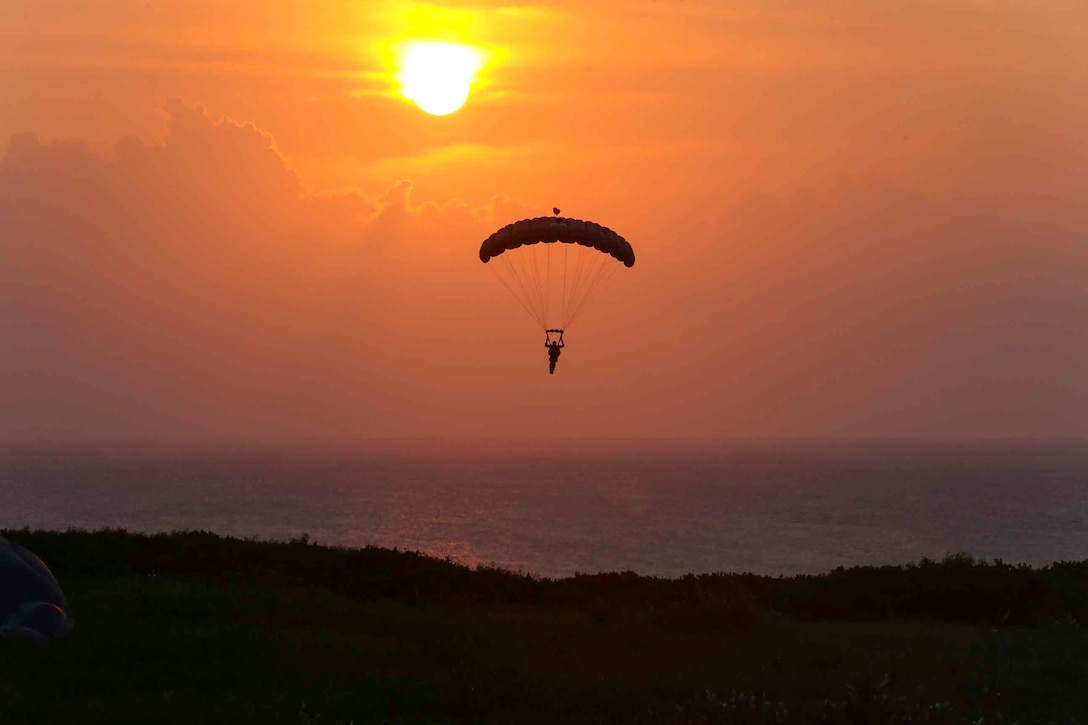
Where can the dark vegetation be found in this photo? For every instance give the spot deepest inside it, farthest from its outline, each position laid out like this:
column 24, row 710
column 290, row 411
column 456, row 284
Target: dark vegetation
column 193, row 627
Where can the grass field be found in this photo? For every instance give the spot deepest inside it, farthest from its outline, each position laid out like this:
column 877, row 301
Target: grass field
column 195, row 628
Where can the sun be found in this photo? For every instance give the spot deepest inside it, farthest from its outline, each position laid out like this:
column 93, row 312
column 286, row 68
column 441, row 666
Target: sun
column 438, row 76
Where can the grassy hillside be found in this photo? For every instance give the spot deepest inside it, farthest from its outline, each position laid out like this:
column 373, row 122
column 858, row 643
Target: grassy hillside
column 192, row 627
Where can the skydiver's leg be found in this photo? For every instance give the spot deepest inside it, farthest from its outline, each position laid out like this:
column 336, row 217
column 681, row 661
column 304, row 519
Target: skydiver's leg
column 551, row 367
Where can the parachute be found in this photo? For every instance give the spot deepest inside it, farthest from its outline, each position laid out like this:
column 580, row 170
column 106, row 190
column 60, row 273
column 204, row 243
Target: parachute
column 553, row 282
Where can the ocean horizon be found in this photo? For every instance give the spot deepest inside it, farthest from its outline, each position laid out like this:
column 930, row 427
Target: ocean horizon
column 560, row 507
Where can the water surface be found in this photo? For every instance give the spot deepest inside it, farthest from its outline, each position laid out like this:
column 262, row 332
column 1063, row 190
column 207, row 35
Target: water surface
column 559, row 508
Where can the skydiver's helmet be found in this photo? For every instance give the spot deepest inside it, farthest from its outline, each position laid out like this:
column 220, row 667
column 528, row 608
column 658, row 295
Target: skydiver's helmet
column 32, row 605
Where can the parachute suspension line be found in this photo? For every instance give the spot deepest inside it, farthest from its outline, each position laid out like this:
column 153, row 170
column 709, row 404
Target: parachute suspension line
column 534, row 269
column 538, row 281
column 542, row 279
column 521, row 294
column 514, row 293
column 530, row 285
column 548, row 277
column 525, row 275
column 590, row 271
column 579, row 267
column 587, row 262
column 607, row 273
column 524, row 285
column 563, row 298
column 604, row 276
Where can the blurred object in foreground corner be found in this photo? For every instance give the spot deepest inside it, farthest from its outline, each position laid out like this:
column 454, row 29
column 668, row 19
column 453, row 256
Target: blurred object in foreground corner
column 32, row 605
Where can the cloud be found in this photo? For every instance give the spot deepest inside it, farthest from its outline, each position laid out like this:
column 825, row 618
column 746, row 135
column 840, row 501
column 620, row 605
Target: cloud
column 191, row 289
column 194, row 289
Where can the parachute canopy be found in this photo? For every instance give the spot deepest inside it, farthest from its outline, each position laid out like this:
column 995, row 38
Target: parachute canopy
column 548, row 229
column 32, row 605
column 554, row 282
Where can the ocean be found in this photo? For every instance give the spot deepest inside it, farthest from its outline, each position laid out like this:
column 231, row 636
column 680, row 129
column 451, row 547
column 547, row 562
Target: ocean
column 559, row 508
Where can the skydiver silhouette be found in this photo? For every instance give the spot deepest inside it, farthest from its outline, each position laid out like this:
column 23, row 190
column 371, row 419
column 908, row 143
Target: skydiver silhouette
column 555, row 347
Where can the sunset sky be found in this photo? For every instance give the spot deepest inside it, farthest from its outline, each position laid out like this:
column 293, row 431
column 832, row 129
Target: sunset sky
column 224, row 220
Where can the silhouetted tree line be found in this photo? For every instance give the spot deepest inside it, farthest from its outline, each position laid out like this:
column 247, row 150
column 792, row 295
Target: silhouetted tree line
column 956, row 589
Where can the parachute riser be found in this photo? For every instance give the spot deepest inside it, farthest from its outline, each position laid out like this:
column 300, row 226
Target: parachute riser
column 553, row 337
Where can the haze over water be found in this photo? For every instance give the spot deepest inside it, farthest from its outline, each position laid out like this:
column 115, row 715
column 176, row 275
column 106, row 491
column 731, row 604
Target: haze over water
column 559, row 508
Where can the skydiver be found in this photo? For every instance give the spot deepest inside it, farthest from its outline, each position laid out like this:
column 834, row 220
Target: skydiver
column 554, row 348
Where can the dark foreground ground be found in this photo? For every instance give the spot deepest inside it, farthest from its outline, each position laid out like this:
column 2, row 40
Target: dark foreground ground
column 195, row 628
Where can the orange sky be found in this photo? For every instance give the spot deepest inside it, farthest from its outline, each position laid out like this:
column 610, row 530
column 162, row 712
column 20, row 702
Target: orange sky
column 220, row 220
